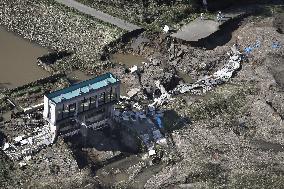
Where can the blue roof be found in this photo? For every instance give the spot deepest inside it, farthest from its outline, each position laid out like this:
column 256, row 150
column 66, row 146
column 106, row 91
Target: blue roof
column 82, row 87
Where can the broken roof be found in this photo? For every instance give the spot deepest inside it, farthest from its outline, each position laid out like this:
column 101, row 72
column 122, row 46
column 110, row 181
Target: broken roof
column 82, row 87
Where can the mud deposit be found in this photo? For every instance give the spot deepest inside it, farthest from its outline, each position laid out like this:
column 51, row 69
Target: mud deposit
column 18, row 60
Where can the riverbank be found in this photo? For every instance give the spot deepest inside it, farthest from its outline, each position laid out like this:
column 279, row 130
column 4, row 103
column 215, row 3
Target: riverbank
column 19, row 60
column 60, row 28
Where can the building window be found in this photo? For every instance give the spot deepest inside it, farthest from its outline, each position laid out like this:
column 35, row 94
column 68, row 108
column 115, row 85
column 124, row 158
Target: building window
column 101, row 99
column 93, row 101
column 59, row 114
column 107, row 96
column 48, row 114
column 81, row 105
column 113, row 95
column 65, row 111
column 72, row 109
column 86, row 104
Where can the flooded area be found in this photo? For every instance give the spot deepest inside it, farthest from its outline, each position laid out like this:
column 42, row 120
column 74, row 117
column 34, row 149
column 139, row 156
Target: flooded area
column 117, row 171
column 120, row 172
column 19, row 60
column 77, row 76
column 128, row 60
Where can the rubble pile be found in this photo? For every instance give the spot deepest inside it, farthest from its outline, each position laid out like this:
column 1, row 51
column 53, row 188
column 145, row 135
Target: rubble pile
column 181, row 60
column 258, row 38
column 195, row 61
column 61, row 29
column 203, row 85
column 165, row 96
column 236, row 136
column 219, row 77
column 154, row 71
column 144, row 124
column 26, row 145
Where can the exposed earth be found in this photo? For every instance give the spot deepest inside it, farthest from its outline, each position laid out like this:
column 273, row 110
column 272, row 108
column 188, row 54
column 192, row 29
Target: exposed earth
column 230, row 137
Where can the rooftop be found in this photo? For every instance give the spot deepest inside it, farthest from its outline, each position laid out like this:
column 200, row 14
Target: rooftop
column 82, row 88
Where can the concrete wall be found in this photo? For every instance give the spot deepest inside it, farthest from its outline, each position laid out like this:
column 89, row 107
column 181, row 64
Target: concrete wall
column 53, row 113
column 45, row 107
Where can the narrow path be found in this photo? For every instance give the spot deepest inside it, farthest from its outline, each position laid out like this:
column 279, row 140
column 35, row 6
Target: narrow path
column 99, row 15
column 199, row 29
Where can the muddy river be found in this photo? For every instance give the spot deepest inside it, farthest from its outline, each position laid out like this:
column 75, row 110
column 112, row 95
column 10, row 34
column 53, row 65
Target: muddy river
column 18, row 63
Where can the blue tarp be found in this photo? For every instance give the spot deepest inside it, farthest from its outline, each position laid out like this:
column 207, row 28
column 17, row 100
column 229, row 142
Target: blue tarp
column 276, row 45
column 257, row 44
column 254, row 46
column 159, row 122
column 248, row 50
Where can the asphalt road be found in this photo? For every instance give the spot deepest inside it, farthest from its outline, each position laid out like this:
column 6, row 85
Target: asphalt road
column 99, row 15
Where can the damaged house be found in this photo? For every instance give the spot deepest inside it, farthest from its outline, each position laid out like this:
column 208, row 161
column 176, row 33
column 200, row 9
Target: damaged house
column 88, row 104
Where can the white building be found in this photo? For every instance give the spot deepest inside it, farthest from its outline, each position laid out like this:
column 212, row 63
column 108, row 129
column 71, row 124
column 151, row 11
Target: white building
column 88, row 104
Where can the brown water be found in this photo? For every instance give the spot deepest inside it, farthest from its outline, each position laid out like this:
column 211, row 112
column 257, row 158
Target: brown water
column 18, row 65
column 77, row 76
column 128, row 60
column 118, row 172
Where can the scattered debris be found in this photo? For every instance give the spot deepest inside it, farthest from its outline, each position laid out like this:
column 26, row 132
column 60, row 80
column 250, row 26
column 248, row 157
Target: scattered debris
column 37, row 140
column 133, row 69
column 219, row 77
column 166, row 29
column 133, row 92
